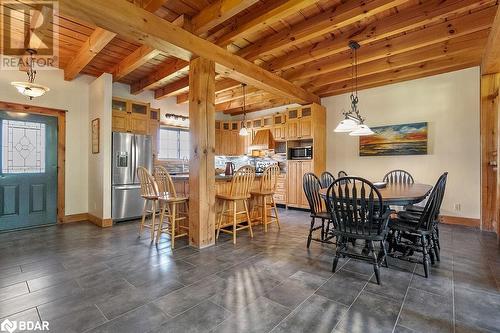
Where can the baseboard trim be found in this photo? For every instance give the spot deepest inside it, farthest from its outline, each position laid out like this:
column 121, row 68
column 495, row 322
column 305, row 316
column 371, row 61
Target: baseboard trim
column 466, row 221
column 75, row 218
column 103, row 223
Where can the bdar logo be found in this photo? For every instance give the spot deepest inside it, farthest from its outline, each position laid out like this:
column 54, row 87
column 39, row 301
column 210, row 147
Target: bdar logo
column 8, row 326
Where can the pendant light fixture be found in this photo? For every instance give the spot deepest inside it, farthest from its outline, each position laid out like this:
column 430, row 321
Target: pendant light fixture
column 30, row 89
column 243, row 129
column 353, row 122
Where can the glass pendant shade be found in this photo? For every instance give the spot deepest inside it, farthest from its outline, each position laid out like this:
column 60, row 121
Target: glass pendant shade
column 243, row 131
column 30, row 89
column 361, row 130
column 346, row 125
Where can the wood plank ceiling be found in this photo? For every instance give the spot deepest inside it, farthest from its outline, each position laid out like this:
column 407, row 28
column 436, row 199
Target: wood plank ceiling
column 303, row 41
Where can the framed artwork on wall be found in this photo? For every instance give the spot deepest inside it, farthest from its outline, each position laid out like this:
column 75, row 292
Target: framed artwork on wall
column 95, row 136
column 392, row 140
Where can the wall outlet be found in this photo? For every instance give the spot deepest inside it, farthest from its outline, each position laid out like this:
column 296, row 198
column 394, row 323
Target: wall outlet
column 457, row 207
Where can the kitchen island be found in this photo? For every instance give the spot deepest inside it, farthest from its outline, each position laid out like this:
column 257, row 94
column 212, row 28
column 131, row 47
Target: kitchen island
column 223, row 185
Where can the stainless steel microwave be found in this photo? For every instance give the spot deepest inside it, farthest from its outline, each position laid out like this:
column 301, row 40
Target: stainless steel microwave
column 300, row 153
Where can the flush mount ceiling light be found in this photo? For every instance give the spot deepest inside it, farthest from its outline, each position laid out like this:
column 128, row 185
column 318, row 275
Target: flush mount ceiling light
column 30, row 89
column 243, row 129
column 353, row 123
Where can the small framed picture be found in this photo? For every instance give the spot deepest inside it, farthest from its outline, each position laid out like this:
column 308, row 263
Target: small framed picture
column 95, row 136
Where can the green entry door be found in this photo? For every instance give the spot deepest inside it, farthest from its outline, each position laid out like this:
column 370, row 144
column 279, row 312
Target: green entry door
column 28, row 165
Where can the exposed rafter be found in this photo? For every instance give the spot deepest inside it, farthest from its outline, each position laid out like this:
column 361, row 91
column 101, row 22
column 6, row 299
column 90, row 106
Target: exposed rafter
column 460, row 26
column 218, row 12
column 94, row 44
column 491, row 57
column 338, row 17
column 405, row 20
column 147, row 28
column 273, row 12
column 424, row 68
column 135, row 60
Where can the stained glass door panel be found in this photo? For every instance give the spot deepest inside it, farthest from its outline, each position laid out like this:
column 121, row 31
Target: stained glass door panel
column 28, row 178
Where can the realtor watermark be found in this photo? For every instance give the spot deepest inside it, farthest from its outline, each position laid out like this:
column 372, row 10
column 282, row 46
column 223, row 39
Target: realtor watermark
column 29, row 25
column 12, row 326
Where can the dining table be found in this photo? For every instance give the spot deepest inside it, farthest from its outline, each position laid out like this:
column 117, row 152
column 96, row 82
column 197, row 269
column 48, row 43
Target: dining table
column 398, row 194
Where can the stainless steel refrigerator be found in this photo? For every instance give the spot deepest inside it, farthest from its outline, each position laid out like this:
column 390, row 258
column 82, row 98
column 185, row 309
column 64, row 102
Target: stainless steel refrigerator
column 129, row 152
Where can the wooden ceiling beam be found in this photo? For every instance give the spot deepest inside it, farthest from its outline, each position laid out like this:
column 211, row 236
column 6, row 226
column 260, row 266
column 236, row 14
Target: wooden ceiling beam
column 220, row 86
column 403, row 78
column 491, row 57
column 338, row 17
column 408, row 19
column 142, row 26
column 236, row 93
column 414, row 71
column 461, row 45
column 256, row 101
column 133, row 61
column 149, row 5
column 173, row 88
column 265, row 16
column 455, row 28
column 90, row 48
column 217, row 13
column 163, row 74
column 258, row 107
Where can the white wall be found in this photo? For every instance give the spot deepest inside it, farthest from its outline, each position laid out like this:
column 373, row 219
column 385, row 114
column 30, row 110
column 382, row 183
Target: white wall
column 450, row 104
column 71, row 96
column 100, row 95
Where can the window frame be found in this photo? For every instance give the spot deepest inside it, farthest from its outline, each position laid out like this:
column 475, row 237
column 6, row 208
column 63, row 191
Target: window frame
column 178, row 130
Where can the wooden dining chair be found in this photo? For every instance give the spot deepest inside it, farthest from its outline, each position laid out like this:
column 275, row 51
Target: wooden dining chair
column 264, row 196
column 312, row 185
column 357, row 209
column 170, row 207
column 239, row 192
column 149, row 192
column 326, row 179
column 341, row 174
column 398, row 177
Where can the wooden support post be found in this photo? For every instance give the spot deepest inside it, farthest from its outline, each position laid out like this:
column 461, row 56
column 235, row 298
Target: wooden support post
column 202, row 153
column 490, row 180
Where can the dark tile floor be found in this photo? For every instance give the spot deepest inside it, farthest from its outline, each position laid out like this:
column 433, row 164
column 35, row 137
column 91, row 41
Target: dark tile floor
column 84, row 279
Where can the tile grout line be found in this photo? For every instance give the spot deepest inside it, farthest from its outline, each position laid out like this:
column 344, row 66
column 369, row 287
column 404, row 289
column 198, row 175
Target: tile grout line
column 354, row 301
column 298, row 306
column 404, row 298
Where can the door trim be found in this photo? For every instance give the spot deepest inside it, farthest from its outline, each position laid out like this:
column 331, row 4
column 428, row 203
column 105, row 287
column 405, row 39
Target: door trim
column 61, row 145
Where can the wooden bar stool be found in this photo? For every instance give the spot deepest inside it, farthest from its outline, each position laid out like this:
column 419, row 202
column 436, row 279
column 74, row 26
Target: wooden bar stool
column 239, row 192
column 264, row 196
column 149, row 192
column 170, row 204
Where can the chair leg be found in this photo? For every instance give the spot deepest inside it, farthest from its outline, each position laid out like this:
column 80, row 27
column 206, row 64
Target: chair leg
column 173, row 225
column 432, row 254
column 322, row 229
column 234, row 222
column 143, row 220
column 382, row 244
column 337, row 255
column 426, row 256
column 219, row 220
column 248, row 218
column 376, row 268
column 264, row 212
column 276, row 213
column 153, row 222
column 309, row 238
column 160, row 223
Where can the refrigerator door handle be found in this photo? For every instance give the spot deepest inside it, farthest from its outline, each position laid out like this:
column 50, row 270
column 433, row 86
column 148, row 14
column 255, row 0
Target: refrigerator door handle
column 127, row 187
column 135, row 158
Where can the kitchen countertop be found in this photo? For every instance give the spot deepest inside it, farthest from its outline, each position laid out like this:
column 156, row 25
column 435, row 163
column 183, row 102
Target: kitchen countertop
column 220, row 177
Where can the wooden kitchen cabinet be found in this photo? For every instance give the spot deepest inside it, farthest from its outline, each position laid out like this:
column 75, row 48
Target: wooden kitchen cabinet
column 296, row 170
column 292, row 129
column 279, row 132
column 130, row 116
column 154, row 130
column 305, row 127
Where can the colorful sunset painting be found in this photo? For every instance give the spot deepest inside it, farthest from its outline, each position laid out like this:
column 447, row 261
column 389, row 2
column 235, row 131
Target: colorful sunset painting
column 405, row 139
